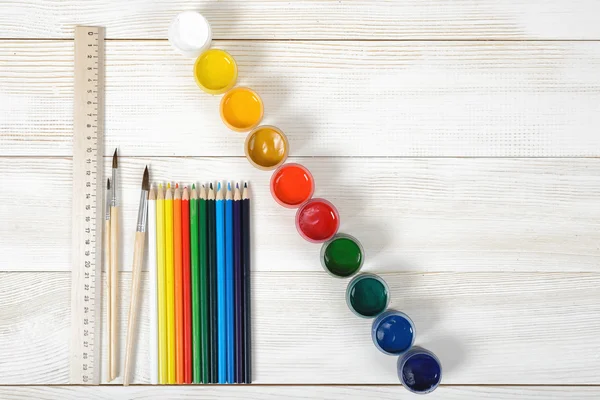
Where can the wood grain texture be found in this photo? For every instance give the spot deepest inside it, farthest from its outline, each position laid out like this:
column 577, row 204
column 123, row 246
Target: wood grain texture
column 492, row 328
column 257, row 392
column 411, row 214
column 314, row 19
column 331, row 98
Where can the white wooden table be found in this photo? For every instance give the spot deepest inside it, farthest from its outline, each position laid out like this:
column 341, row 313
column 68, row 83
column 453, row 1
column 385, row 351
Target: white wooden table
column 459, row 140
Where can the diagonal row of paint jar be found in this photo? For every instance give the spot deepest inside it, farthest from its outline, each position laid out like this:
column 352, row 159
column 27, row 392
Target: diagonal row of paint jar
column 317, row 220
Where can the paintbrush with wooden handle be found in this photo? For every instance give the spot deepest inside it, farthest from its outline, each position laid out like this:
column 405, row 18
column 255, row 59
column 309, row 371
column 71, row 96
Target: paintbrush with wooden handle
column 138, row 260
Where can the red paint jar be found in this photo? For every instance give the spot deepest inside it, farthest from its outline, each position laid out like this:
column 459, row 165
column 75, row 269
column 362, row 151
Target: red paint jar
column 317, row 220
column 291, row 185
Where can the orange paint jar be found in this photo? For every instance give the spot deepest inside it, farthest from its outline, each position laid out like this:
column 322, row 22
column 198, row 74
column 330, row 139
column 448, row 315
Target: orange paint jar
column 241, row 109
column 291, row 185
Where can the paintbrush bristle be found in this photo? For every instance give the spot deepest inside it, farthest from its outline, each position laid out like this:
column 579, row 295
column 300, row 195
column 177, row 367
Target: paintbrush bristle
column 115, row 160
column 108, row 184
column 146, row 180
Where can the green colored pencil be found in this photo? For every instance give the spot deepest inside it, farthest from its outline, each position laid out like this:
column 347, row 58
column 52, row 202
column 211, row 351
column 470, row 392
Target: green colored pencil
column 195, row 264
column 203, row 285
column 212, row 283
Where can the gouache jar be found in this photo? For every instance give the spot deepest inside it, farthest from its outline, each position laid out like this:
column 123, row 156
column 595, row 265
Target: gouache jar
column 215, row 71
column 190, row 33
column 419, row 370
column 342, row 256
column 317, row 220
column 393, row 333
column 266, row 147
column 292, row 185
column 241, row 109
column 367, row 295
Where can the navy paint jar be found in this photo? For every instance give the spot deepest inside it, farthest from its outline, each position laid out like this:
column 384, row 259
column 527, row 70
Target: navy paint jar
column 419, row 370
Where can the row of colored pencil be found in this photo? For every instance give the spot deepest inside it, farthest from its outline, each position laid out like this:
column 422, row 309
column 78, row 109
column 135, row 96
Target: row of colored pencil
column 199, row 258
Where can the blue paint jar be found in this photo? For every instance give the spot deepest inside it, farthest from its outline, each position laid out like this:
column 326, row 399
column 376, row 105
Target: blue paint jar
column 419, row 370
column 393, row 333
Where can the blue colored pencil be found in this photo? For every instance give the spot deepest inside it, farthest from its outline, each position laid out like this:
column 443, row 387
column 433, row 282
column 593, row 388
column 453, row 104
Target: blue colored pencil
column 237, row 281
column 221, row 310
column 229, row 285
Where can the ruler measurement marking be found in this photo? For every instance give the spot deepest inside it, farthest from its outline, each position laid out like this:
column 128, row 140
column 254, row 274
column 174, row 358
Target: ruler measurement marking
column 87, row 183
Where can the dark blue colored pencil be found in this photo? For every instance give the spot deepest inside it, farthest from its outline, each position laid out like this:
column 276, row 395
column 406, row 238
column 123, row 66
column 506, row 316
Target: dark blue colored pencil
column 237, row 265
column 247, row 336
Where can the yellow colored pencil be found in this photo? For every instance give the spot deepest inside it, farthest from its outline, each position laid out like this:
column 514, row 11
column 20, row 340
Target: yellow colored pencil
column 170, row 283
column 162, row 298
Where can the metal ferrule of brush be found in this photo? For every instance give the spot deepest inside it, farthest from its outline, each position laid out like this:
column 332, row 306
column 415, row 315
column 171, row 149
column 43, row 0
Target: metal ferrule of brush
column 107, row 208
column 113, row 185
column 143, row 212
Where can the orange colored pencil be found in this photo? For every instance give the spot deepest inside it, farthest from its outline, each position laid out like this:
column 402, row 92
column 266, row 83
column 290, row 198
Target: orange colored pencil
column 178, row 266
column 187, row 290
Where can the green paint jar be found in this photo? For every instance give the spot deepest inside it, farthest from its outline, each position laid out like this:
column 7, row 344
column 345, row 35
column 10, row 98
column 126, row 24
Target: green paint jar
column 342, row 256
column 367, row 295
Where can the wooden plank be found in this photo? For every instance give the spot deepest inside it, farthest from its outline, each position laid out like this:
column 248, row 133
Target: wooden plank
column 525, row 99
column 312, row 19
column 411, row 214
column 487, row 328
column 257, row 392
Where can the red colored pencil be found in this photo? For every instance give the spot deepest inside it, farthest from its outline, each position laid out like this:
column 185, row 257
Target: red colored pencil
column 187, row 293
column 178, row 253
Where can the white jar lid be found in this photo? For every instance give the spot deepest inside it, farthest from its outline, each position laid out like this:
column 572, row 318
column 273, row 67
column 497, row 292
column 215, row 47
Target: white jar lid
column 190, row 33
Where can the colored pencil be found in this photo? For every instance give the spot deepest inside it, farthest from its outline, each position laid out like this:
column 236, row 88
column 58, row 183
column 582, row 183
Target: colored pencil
column 152, row 287
column 229, row 285
column 204, row 308
column 163, row 358
column 113, row 275
column 186, row 277
column 221, row 311
column 247, row 333
column 170, row 285
column 196, row 293
column 212, row 284
column 136, row 274
column 237, row 265
column 178, row 275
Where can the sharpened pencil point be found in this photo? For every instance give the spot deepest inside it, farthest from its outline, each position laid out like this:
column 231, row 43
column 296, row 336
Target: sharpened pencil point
column 169, row 185
column 115, row 162
column 237, row 186
column 245, row 184
column 193, row 186
column 146, row 180
column 177, row 186
column 228, row 185
column 219, row 186
column 108, row 184
column 211, row 185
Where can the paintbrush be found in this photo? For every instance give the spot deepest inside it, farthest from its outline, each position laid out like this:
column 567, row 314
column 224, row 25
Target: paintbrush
column 113, row 276
column 138, row 259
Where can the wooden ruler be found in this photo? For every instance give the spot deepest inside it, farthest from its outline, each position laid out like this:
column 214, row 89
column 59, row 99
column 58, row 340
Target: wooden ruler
column 86, row 247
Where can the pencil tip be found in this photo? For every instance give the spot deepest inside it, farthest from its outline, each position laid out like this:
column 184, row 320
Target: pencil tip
column 115, row 162
column 146, row 180
column 211, row 185
column 108, row 184
column 169, row 185
column 237, row 186
column 228, row 185
column 177, row 186
column 245, row 184
column 193, row 186
column 219, row 186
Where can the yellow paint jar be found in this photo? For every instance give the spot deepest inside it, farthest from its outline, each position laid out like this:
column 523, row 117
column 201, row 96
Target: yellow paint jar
column 215, row 71
column 241, row 109
column 266, row 147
